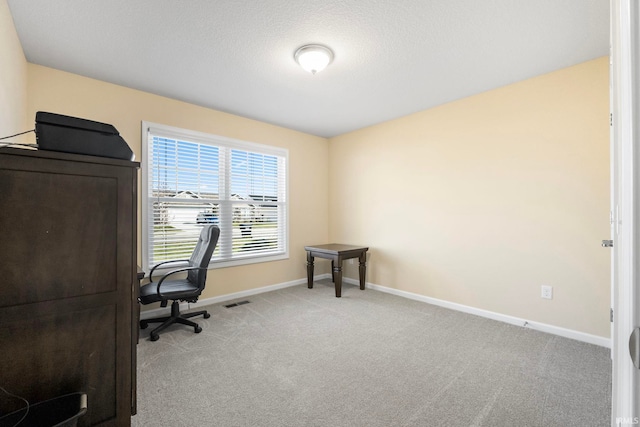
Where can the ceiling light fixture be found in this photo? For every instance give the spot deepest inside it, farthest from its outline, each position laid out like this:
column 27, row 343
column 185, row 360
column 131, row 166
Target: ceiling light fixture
column 313, row 57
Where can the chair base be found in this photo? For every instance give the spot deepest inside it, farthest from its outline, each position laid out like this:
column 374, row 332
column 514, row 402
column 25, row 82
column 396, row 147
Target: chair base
column 175, row 317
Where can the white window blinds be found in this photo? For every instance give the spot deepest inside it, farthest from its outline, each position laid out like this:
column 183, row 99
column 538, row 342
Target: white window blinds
column 191, row 179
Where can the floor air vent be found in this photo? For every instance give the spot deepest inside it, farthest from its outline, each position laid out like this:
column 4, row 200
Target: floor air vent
column 235, row 304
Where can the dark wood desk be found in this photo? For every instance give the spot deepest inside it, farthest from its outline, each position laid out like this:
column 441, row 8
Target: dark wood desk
column 336, row 253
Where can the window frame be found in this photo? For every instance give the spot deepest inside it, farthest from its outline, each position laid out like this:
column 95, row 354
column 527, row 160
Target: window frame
column 218, row 141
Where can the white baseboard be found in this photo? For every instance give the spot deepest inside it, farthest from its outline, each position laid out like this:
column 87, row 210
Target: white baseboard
column 158, row 312
column 538, row 326
column 543, row 327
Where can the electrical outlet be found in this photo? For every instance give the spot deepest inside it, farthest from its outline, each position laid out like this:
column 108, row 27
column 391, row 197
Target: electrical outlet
column 547, row 292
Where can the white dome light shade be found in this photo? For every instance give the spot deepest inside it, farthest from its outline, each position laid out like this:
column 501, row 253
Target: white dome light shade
column 313, row 57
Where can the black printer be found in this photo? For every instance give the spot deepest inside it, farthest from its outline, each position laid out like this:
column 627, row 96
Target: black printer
column 56, row 132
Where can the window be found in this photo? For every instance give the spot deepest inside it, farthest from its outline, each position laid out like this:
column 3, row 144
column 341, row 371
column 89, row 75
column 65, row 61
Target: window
column 191, row 178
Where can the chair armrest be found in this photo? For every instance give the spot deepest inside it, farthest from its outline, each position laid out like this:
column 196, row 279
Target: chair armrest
column 162, row 263
column 179, row 270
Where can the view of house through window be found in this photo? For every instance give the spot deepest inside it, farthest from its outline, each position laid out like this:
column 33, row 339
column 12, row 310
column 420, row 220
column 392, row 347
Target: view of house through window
column 192, row 179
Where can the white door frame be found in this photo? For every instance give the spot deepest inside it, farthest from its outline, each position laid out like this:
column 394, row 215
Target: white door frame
column 625, row 164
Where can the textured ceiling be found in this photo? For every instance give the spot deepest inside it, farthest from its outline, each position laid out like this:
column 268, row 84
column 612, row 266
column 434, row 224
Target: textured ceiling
column 392, row 58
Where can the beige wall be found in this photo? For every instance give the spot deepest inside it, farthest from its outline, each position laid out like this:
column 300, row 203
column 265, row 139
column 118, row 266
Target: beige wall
column 13, row 78
column 477, row 202
column 70, row 94
column 483, row 200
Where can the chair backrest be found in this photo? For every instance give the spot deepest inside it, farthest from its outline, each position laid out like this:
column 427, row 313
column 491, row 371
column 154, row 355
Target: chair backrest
column 202, row 254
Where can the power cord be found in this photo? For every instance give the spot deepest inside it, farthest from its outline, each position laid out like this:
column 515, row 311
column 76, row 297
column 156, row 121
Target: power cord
column 21, row 398
column 17, row 144
column 17, row 134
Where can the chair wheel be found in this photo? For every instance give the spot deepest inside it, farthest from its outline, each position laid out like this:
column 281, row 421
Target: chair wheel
column 143, row 324
column 154, row 337
column 206, row 315
column 197, row 329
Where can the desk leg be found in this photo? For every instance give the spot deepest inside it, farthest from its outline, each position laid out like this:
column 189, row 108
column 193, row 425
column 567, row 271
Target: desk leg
column 309, row 270
column 363, row 268
column 337, row 278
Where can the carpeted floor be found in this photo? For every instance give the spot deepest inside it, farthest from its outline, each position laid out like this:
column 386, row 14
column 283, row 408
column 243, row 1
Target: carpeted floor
column 301, row 357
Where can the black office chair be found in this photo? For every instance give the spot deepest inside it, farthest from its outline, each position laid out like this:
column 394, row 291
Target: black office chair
column 188, row 289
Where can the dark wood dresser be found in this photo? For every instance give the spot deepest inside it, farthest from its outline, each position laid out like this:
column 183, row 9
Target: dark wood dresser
column 68, row 281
